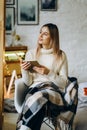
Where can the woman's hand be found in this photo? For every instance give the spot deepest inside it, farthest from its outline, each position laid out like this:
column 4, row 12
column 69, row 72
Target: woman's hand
column 41, row 70
column 26, row 65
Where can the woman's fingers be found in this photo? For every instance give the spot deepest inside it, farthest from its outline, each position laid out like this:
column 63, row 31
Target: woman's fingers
column 41, row 70
column 25, row 65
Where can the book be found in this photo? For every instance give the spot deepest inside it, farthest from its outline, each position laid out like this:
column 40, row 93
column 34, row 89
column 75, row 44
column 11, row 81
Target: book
column 35, row 63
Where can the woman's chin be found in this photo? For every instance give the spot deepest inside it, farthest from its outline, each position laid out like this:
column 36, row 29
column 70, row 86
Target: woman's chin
column 40, row 43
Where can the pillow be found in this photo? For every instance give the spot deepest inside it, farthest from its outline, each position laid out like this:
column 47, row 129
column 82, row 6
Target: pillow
column 82, row 98
column 9, row 105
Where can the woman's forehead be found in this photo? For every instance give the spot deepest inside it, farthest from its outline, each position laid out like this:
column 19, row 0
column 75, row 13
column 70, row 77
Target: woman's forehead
column 45, row 29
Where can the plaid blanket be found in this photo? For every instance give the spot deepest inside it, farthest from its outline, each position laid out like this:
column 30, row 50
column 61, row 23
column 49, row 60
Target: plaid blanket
column 47, row 93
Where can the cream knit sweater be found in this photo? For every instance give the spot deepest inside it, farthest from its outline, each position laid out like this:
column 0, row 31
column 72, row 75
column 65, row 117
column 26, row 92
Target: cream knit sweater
column 58, row 73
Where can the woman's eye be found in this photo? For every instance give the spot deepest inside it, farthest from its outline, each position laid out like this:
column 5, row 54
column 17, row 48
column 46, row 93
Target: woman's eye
column 45, row 34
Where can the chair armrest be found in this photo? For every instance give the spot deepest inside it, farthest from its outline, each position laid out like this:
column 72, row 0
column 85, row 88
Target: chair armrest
column 20, row 93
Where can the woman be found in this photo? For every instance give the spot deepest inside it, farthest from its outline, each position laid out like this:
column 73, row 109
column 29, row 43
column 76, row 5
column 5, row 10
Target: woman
column 46, row 81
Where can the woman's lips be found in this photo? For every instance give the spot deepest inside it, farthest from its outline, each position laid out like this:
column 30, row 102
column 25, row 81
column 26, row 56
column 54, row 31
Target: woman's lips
column 40, row 39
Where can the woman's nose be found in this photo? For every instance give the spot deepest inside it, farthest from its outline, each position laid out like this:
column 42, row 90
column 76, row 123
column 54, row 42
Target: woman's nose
column 41, row 34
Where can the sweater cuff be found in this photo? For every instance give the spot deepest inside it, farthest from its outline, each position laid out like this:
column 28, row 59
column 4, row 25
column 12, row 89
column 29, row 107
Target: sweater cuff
column 50, row 73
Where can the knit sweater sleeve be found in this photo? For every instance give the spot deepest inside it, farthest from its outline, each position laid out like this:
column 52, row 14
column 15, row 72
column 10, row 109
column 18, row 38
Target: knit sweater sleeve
column 26, row 75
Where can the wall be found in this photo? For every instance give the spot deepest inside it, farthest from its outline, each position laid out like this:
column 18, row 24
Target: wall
column 71, row 18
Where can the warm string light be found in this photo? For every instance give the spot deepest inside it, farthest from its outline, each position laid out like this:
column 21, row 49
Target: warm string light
column 7, row 69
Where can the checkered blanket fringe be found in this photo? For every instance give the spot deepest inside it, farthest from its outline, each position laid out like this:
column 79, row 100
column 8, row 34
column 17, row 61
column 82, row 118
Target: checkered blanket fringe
column 56, row 101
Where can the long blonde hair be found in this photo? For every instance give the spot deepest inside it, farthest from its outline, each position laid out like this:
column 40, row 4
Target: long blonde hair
column 54, row 33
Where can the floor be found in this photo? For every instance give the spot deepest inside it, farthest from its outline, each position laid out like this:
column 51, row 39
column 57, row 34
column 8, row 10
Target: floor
column 11, row 118
column 10, row 122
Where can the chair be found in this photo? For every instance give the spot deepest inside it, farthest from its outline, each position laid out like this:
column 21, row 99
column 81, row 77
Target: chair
column 64, row 120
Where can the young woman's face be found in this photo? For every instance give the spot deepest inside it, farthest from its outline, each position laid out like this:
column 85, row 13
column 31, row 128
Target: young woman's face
column 44, row 38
